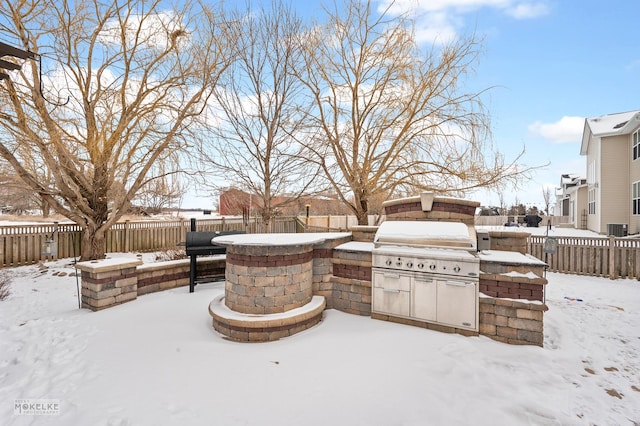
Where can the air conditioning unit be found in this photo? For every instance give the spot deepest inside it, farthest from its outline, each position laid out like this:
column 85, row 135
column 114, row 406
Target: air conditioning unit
column 617, row 229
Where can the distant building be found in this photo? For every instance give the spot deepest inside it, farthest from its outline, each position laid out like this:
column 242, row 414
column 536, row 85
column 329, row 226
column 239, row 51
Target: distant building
column 611, row 144
column 571, row 200
column 232, row 202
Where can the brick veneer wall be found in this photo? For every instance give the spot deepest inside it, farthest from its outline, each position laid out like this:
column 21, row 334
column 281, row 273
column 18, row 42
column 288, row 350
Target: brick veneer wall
column 442, row 209
column 363, row 233
column 351, row 281
column 108, row 283
column 356, row 272
column 512, row 287
column 323, row 268
column 160, row 276
column 509, row 241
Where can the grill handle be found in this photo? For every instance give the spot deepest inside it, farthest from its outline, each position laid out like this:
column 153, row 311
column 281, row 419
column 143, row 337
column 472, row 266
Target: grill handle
column 388, row 275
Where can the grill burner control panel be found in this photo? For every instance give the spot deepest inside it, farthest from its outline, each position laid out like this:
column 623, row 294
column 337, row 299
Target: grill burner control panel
column 450, row 263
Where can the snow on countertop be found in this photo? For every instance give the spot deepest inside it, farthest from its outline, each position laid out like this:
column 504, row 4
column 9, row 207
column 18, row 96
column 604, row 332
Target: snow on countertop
column 279, row 239
column 107, row 264
column 423, row 229
column 510, row 257
column 218, row 307
column 355, row 246
column 532, row 302
column 529, row 275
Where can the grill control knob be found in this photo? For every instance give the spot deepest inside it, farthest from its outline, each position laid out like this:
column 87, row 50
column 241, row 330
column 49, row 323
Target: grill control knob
column 409, row 264
column 432, row 266
column 399, row 263
column 420, row 265
column 456, row 269
column 389, row 262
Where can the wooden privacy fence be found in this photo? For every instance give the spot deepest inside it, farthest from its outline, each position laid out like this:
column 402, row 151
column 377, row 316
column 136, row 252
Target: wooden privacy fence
column 603, row 257
column 501, row 220
column 24, row 244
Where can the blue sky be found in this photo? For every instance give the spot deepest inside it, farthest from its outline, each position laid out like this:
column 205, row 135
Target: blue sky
column 551, row 63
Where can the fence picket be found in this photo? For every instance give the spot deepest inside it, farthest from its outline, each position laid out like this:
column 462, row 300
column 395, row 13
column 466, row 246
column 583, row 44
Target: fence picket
column 22, row 244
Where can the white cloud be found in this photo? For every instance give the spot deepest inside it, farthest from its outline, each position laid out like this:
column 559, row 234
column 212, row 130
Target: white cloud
column 437, row 27
column 633, row 65
column 566, row 130
column 438, row 21
column 528, row 10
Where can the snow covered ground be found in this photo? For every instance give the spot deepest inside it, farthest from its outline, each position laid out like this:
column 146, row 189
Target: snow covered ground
column 157, row 361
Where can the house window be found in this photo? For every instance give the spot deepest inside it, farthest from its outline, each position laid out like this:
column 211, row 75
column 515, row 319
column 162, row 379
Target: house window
column 592, row 201
column 635, row 199
column 635, row 144
column 591, row 173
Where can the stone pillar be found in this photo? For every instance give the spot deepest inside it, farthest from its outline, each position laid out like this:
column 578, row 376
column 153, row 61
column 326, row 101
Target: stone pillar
column 268, row 279
column 108, row 282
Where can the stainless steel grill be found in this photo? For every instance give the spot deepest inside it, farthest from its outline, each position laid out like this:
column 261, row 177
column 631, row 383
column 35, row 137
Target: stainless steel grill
column 427, row 271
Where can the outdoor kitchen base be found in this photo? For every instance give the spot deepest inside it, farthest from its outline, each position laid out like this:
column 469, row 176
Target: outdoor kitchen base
column 422, row 324
column 242, row 327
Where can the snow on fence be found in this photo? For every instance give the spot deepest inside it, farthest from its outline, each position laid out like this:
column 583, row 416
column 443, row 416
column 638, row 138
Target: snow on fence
column 600, row 256
column 501, row 220
column 24, row 244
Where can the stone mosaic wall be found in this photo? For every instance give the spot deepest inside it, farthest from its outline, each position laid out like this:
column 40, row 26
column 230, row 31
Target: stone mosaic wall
column 512, row 322
column 267, row 279
column 108, row 283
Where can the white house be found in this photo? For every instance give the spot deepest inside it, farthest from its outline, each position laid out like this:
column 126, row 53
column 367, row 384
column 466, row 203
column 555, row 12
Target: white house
column 611, row 144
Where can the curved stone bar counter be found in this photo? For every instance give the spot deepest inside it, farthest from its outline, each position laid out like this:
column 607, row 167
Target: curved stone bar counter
column 268, row 275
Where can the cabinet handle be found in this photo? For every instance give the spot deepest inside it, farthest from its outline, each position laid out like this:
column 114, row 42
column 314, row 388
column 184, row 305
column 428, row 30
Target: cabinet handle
column 423, row 280
column 457, row 283
column 388, row 290
column 396, row 276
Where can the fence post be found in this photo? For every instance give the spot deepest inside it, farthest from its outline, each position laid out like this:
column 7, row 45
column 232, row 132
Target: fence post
column 126, row 236
column 612, row 257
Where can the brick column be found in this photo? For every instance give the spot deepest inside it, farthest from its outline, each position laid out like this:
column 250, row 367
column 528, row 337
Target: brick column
column 108, row 282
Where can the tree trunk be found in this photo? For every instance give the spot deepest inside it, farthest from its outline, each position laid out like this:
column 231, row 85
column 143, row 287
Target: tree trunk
column 46, row 209
column 362, row 210
column 363, row 218
column 93, row 243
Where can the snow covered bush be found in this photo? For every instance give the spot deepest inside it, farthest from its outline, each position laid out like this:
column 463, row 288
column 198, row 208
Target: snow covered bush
column 5, row 284
column 170, row 255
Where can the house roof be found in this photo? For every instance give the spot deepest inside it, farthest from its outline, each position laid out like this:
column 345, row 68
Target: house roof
column 609, row 125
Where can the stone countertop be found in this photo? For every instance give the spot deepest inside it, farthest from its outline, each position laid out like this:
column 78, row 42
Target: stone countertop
column 278, row 239
column 102, row 265
column 509, row 258
column 360, row 246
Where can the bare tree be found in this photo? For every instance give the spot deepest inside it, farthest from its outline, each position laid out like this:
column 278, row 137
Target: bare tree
column 137, row 77
column 254, row 147
column 165, row 191
column 390, row 116
column 503, row 204
column 546, row 196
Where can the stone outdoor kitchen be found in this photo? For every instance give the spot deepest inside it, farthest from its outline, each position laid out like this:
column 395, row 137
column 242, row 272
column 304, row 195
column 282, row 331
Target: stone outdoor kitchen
column 425, row 266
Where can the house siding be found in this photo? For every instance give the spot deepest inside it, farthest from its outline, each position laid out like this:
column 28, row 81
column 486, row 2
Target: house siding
column 580, row 201
column 634, row 176
column 614, row 184
column 593, row 155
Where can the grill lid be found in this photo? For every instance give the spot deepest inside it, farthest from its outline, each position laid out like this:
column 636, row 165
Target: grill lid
column 423, row 233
